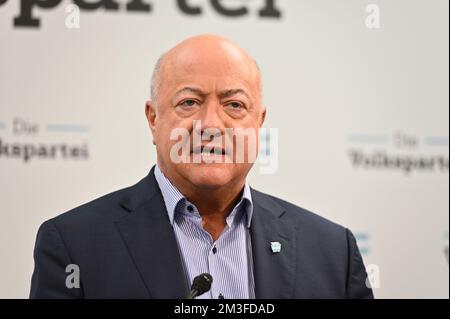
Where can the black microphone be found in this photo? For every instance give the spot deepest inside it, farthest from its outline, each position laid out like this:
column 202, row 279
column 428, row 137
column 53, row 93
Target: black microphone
column 200, row 285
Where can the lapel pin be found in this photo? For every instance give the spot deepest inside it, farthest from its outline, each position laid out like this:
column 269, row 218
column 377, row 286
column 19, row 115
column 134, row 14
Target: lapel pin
column 276, row 246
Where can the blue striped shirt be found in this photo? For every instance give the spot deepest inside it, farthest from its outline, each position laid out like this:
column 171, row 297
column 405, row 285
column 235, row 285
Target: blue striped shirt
column 228, row 259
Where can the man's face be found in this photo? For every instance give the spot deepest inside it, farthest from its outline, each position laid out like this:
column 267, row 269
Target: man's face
column 219, row 86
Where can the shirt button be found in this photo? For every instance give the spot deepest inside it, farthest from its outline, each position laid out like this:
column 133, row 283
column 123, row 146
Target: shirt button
column 214, row 250
column 190, row 208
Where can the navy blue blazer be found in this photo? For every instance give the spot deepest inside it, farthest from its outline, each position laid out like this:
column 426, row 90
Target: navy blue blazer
column 125, row 247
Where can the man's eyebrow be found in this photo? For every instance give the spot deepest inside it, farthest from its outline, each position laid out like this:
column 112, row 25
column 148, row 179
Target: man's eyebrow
column 188, row 89
column 227, row 93
column 223, row 95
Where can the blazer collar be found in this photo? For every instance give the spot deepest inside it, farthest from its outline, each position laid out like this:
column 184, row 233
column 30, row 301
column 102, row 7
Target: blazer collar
column 149, row 237
column 274, row 271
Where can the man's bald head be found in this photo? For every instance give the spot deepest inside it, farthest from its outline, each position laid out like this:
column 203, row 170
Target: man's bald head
column 198, row 48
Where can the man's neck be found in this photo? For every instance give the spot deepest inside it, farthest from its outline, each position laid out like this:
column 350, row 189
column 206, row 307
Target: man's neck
column 213, row 204
column 208, row 200
column 217, row 201
column 214, row 207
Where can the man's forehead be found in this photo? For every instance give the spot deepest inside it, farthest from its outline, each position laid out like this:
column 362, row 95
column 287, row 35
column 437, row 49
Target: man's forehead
column 221, row 85
column 209, row 71
column 209, row 64
column 208, row 61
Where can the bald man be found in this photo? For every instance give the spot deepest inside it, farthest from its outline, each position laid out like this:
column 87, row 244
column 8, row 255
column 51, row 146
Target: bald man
column 195, row 212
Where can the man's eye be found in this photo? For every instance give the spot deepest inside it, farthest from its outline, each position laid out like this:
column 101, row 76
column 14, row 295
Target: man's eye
column 188, row 103
column 235, row 105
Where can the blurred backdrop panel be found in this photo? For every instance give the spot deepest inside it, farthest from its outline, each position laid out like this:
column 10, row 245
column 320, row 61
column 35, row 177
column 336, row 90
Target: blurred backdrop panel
column 356, row 92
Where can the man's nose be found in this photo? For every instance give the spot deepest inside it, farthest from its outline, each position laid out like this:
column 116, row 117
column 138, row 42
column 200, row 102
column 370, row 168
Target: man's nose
column 211, row 117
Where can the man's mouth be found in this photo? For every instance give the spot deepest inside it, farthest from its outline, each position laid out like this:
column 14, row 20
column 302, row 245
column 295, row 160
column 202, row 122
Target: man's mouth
column 209, row 151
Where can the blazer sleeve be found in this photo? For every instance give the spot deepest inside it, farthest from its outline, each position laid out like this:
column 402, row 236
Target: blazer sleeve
column 358, row 286
column 50, row 261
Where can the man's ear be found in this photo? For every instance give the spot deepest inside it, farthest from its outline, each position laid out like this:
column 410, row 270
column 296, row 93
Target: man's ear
column 262, row 117
column 150, row 113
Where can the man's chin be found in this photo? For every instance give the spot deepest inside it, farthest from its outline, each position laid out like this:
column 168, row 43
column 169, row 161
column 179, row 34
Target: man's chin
column 209, row 175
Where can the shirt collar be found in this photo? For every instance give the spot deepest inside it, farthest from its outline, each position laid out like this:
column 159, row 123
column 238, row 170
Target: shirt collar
column 172, row 197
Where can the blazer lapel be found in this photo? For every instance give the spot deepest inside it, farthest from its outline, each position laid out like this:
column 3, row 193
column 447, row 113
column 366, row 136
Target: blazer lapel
column 151, row 242
column 274, row 272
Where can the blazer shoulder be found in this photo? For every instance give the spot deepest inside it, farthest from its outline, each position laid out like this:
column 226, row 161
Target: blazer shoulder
column 99, row 208
column 108, row 207
column 300, row 216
